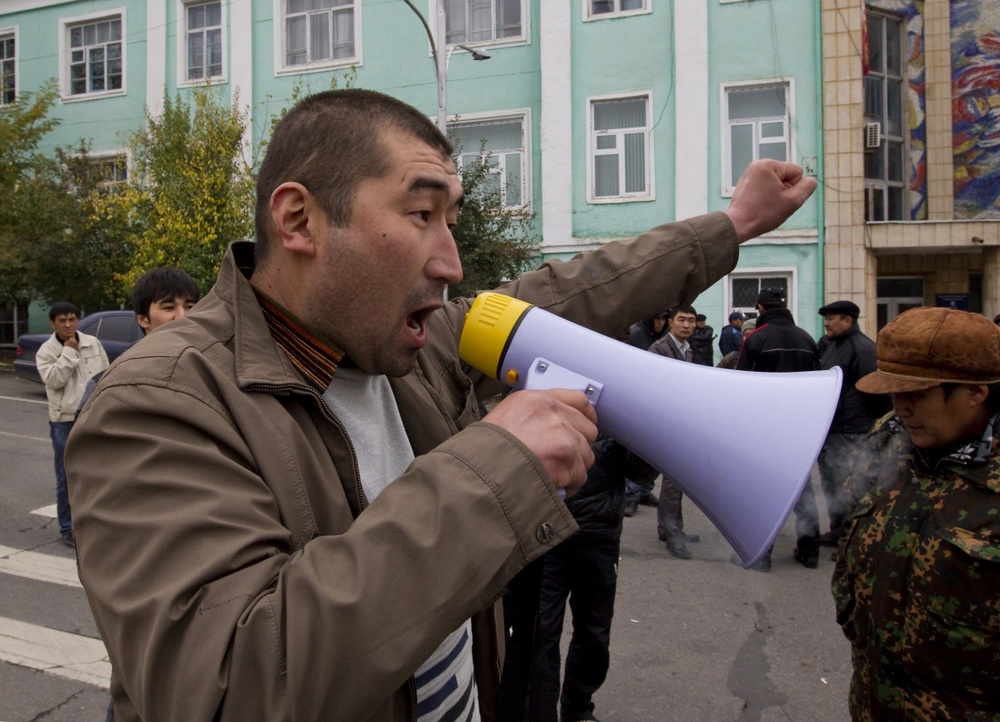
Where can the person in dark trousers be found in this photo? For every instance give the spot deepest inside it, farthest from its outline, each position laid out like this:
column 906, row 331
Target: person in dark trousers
column 731, row 335
column 701, row 341
column 669, row 517
column 643, row 335
column 854, row 353
column 583, row 570
column 778, row 346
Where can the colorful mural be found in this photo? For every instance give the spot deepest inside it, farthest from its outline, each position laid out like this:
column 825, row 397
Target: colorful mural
column 975, row 66
column 912, row 11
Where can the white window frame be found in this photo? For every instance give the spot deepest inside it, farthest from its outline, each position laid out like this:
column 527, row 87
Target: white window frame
column 280, row 38
column 65, row 25
column 728, row 182
column 522, row 116
column 182, row 47
column 789, row 273
column 113, row 156
column 522, row 37
column 589, row 15
column 12, row 32
column 592, row 152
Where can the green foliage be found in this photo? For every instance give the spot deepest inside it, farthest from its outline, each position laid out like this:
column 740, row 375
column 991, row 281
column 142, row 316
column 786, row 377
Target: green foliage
column 190, row 191
column 23, row 172
column 76, row 257
column 494, row 242
column 49, row 245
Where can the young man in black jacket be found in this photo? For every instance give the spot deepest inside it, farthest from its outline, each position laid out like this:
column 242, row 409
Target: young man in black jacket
column 778, row 345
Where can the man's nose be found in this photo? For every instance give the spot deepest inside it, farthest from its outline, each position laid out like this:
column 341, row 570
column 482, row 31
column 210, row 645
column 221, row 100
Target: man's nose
column 445, row 263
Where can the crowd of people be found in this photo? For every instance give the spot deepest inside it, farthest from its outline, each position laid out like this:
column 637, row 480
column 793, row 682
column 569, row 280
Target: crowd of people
column 289, row 502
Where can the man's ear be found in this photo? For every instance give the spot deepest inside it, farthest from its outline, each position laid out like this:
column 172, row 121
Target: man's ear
column 978, row 394
column 294, row 213
column 143, row 321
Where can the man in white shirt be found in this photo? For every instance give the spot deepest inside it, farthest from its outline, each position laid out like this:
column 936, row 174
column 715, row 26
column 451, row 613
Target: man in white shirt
column 66, row 362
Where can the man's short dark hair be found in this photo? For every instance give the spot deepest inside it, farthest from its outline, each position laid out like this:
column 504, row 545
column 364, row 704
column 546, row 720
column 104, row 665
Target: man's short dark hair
column 681, row 309
column 330, row 142
column 63, row 308
column 771, row 297
column 158, row 284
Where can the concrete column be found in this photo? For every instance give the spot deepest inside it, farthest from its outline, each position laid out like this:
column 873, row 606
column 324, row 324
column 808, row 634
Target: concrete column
column 691, row 119
column 556, row 122
column 937, row 75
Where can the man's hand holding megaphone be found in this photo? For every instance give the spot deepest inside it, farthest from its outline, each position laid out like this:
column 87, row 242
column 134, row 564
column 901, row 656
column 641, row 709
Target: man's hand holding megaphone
column 557, row 426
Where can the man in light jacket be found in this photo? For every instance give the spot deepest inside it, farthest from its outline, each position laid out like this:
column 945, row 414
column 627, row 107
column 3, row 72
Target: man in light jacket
column 66, row 362
column 289, row 503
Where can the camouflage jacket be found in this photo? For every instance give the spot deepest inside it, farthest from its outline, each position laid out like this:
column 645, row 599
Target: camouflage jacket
column 917, row 581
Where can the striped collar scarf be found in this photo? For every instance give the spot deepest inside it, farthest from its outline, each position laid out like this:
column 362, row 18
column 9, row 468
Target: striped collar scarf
column 309, row 352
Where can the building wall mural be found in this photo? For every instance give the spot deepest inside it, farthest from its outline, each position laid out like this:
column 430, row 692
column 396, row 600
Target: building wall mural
column 975, row 67
column 912, row 11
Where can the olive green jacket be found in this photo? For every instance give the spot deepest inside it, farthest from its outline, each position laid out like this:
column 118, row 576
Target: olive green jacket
column 917, row 582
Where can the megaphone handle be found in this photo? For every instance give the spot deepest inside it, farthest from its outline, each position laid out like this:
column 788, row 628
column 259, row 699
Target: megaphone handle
column 544, row 375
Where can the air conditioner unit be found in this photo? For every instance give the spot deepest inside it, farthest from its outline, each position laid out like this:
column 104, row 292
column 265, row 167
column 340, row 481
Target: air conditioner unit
column 873, row 135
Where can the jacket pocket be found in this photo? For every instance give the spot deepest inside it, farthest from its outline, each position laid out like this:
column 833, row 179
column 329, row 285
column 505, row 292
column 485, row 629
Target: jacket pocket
column 953, row 615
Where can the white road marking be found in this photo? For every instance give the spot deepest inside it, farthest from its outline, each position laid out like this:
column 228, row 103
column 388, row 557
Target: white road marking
column 72, row 656
column 27, row 401
column 23, row 436
column 49, row 511
column 41, row 567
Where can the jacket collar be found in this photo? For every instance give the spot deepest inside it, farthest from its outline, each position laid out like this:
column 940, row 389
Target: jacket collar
column 259, row 360
column 781, row 315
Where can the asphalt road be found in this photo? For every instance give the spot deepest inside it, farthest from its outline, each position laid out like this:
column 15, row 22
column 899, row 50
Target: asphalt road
column 700, row 640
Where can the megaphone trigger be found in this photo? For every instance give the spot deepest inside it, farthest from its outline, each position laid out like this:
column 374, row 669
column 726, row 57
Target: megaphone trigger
column 543, row 374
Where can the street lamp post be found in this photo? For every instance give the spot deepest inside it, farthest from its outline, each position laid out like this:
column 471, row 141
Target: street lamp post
column 441, row 57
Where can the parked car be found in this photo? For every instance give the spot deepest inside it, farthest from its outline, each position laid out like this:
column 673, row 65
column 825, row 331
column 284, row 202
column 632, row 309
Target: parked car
column 116, row 330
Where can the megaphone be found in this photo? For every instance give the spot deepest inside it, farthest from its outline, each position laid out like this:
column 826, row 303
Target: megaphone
column 677, row 416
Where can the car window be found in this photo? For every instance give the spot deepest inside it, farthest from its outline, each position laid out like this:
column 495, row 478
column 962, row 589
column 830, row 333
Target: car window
column 119, row 327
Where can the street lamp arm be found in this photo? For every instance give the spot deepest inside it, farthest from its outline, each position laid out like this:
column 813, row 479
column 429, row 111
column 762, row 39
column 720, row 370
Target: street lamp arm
column 427, row 28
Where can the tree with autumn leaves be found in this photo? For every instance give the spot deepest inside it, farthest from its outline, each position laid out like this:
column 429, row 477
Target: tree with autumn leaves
column 70, row 232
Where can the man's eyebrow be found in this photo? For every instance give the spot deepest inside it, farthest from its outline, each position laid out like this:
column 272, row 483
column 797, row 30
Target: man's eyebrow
column 432, row 184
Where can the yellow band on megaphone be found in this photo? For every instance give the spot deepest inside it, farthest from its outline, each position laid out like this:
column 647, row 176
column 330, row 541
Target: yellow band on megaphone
column 489, row 326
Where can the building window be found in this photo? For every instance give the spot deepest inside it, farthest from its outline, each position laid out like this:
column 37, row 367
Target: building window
column 319, row 32
column 112, row 170
column 96, row 63
column 884, row 142
column 757, row 126
column 8, row 68
column 620, row 148
column 502, row 142
column 606, row 8
column 480, row 21
column 13, row 322
column 743, row 290
column 203, row 27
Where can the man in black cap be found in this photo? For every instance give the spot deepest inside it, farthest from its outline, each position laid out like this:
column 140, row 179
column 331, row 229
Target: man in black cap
column 854, row 353
column 731, row 336
column 777, row 346
column 701, row 341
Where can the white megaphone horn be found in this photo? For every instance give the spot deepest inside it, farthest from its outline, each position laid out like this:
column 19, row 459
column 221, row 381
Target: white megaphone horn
column 745, row 469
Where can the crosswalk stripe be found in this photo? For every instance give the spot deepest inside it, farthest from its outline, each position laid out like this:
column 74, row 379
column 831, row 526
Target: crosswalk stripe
column 49, row 511
column 23, row 436
column 72, row 656
column 42, row 567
